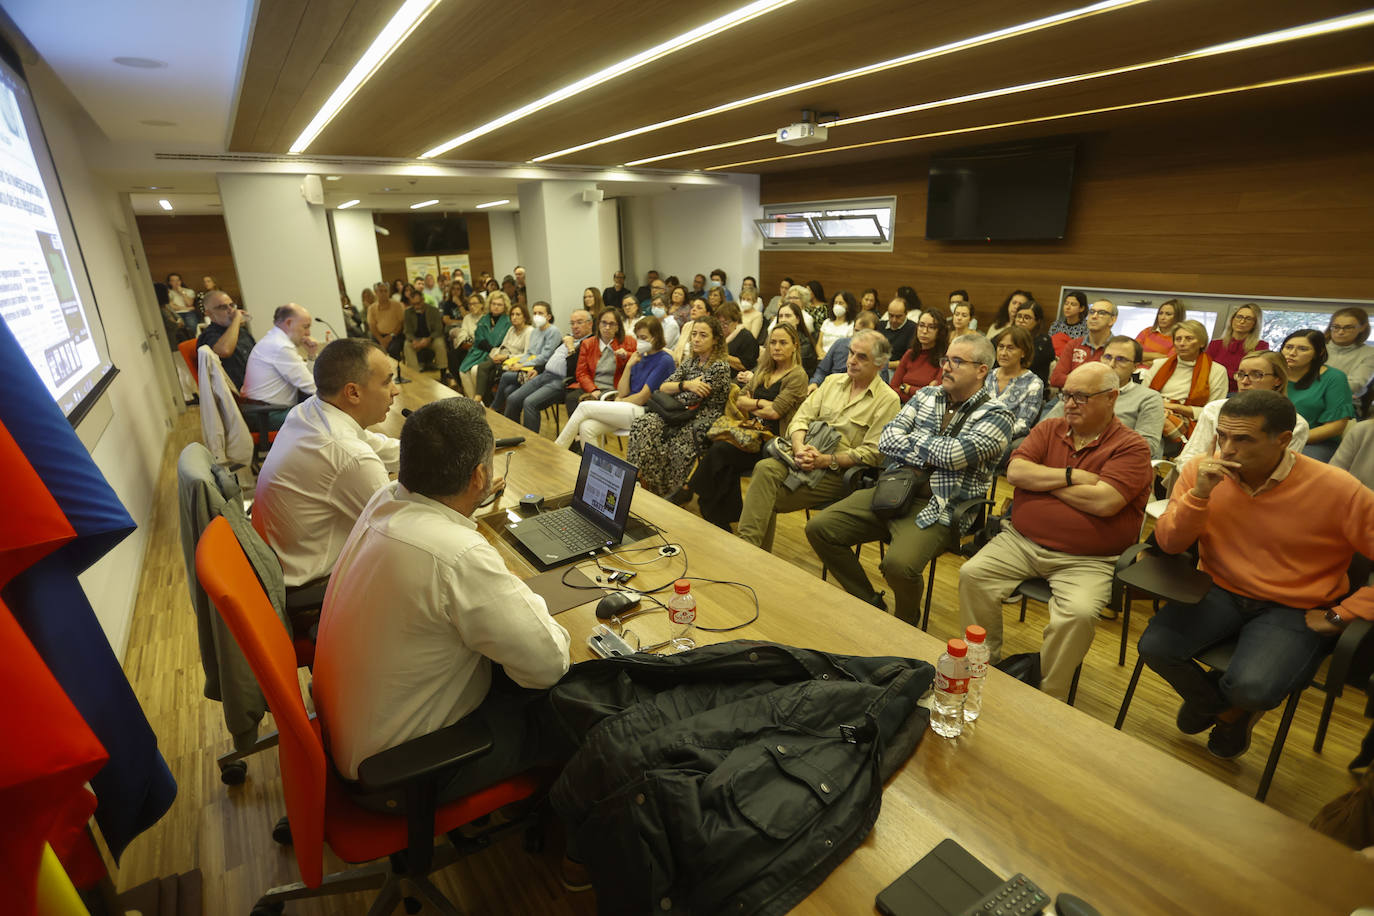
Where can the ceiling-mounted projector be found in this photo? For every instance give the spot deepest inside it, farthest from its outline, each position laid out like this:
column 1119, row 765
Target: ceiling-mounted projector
column 804, row 133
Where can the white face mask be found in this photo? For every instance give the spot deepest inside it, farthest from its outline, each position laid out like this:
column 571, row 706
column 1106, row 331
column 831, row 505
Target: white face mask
column 838, row 310
column 659, row 311
column 747, row 305
column 715, row 284
column 643, row 346
column 540, row 320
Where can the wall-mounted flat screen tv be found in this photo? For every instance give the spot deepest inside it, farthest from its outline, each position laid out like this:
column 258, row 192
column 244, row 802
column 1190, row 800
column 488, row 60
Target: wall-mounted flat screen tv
column 438, row 234
column 1002, row 193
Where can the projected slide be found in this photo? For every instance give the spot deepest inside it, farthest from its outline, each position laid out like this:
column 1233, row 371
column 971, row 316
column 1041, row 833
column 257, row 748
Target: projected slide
column 41, row 299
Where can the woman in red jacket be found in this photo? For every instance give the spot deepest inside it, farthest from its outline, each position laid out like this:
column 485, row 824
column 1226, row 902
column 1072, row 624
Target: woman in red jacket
column 920, row 366
column 601, row 359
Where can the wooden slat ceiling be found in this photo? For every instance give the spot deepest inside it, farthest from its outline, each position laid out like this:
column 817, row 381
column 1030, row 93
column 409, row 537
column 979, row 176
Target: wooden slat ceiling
column 472, row 61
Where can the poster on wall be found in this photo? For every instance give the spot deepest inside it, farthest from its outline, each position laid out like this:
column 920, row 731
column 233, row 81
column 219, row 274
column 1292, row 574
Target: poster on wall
column 452, row 262
column 420, row 265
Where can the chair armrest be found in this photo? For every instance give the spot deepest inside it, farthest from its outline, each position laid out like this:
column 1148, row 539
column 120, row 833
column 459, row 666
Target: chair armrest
column 1352, row 638
column 1173, row 577
column 427, row 755
column 860, row 477
column 962, row 509
column 1131, row 554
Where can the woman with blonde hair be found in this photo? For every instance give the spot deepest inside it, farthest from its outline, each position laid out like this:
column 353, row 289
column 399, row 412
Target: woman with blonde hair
column 1264, row 370
column 1158, row 339
column 1188, row 380
column 514, row 345
column 490, row 331
column 1239, row 340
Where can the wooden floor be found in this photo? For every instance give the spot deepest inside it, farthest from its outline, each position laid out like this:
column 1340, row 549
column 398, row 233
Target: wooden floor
column 225, row 831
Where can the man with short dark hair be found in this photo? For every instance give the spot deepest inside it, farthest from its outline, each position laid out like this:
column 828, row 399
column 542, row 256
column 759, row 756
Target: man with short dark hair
column 325, row 465
column 277, row 373
column 898, row 329
column 1081, row 485
column 1138, row 406
column 227, row 333
column 1101, row 317
column 421, row 608
column 955, row 433
column 425, row 339
column 431, row 291
column 698, row 290
column 646, row 292
column 1276, row 531
column 614, row 294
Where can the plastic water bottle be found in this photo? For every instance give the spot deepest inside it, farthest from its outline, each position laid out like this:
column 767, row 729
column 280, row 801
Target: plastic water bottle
column 951, row 687
column 682, row 612
column 977, row 660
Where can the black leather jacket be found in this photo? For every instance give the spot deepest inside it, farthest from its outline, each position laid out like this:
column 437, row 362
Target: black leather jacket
column 730, row 779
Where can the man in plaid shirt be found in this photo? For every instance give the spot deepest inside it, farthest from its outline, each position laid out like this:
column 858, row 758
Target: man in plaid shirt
column 956, row 432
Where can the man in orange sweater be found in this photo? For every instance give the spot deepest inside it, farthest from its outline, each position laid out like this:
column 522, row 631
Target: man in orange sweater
column 1276, row 532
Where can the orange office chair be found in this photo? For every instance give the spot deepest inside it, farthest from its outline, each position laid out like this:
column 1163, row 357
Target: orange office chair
column 187, row 349
column 318, row 804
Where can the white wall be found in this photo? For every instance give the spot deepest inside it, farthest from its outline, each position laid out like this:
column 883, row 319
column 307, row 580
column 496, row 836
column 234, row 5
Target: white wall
column 560, row 239
column 608, row 226
column 281, row 246
column 129, row 453
column 505, row 242
column 693, row 230
column 356, row 245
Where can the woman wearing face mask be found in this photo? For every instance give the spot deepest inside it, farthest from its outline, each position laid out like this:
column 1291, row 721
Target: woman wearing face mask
column 773, row 395
column 545, row 338
column 920, row 365
column 1070, row 327
column 1320, row 393
column 1263, row 370
column 658, row 306
column 663, row 454
column 1030, row 318
column 1239, row 340
column 512, row 349
column 644, row 371
column 840, row 323
column 1158, row 339
column 1187, row 381
column 751, row 311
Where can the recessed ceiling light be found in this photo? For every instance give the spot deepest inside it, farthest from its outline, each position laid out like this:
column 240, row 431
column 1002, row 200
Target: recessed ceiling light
column 621, row 68
column 391, row 37
column 332, row 177
column 154, row 122
column 938, row 51
column 165, row 204
column 493, row 203
column 141, row 63
column 424, row 203
column 349, row 203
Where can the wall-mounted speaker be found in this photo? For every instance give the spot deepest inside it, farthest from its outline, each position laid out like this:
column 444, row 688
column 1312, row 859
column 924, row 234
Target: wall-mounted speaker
column 312, row 189
column 593, row 196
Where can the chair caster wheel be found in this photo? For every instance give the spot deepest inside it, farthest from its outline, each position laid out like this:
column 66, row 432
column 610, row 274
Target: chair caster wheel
column 281, row 832
column 268, row 909
column 412, row 905
column 233, row 773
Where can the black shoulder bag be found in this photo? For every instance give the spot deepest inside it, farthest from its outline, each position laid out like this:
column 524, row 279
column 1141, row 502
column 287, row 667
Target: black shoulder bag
column 898, row 487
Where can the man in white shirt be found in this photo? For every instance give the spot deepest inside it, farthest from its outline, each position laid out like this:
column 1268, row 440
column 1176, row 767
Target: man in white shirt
column 419, row 607
column 432, row 293
column 324, row 465
column 276, row 372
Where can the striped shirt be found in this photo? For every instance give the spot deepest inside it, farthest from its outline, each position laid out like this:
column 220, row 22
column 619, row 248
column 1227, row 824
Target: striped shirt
column 1024, row 397
column 961, row 466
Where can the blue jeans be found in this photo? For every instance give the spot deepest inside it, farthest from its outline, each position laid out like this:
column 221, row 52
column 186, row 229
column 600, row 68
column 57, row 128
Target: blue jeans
column 509, row 382
column 526, row 402
column 1276, row 651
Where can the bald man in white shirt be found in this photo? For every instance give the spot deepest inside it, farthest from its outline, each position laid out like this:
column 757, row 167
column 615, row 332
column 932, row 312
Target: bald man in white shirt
column 277, row 373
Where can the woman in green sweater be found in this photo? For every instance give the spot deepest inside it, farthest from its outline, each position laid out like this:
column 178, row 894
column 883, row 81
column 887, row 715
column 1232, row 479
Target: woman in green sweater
column 1319, row 392
column 490, row 331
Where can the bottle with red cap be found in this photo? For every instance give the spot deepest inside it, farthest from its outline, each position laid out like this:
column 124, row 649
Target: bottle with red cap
column 682, row 611
column 951, row 688
column 977, row 659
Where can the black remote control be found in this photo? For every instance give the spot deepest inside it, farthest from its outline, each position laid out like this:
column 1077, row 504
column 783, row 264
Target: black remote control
column 509, row 442
column 1018, row 896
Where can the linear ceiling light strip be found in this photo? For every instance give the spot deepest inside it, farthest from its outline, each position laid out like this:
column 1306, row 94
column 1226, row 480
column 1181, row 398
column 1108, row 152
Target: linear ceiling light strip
column 1269, row 84
column 622, row 68
column 391, row 37
column 929, row 53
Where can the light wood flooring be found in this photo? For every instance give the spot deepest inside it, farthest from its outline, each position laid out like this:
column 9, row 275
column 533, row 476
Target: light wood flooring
column 225, row 831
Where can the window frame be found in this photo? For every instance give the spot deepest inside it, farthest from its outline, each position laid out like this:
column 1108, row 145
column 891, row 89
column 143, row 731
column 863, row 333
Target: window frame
column 834, row 207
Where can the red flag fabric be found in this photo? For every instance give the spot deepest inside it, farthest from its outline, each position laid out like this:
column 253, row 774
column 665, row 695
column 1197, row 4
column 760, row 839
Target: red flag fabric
column 34, row 524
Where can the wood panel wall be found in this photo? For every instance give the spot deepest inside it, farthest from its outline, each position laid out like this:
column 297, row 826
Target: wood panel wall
column 192, row 246
column 1279, row 204
column 395, row 248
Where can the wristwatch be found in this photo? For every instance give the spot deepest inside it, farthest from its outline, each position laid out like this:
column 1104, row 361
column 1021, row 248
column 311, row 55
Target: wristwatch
column 1333, row 618
column 1068, row 477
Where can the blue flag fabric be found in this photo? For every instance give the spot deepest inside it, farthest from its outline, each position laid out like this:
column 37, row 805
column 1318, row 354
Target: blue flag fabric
column 135, row 788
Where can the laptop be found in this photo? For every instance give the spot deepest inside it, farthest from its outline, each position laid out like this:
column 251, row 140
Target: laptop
column 595, row 518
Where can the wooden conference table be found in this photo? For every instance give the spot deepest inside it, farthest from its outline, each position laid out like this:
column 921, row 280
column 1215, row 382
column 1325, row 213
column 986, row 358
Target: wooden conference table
column 1034, row 786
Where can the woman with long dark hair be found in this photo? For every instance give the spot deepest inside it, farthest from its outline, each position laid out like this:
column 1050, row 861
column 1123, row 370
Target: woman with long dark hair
column 1319, row 392
column 1070, row 326
column 1030, row 318
column 1157, row 341
column 1008, row 309
column 920, row 365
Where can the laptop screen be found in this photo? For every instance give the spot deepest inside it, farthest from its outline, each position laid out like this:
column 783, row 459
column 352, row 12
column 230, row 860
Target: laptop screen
column 605, row 485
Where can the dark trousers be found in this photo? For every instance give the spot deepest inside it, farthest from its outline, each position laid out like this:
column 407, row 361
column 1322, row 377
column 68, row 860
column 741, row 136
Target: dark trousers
column 1276, row 651
column 716, row 482
column 529, row 400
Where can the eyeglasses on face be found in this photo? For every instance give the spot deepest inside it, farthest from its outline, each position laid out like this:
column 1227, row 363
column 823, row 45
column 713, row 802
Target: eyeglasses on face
column 1253, row 375
column 1100, row 313
column 927, row 326
column 952, row 362
column 1345, row 327
column 1081, row 397
column 1007, row 348
column 1117, row 360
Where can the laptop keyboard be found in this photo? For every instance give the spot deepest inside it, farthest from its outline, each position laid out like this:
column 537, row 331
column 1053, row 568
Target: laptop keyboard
column 572, row 529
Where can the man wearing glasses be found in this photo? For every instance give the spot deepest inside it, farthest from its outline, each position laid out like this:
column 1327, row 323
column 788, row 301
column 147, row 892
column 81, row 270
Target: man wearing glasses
column 956, row 432
column 227, row 334
column 1081, row 486
column 1138, row 406
column 1101, row 317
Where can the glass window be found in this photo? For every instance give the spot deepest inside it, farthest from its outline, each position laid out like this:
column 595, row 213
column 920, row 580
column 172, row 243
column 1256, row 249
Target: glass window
column 863, row 224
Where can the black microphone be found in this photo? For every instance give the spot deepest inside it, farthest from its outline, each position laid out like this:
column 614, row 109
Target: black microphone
column 509, row 442
column 406, row 411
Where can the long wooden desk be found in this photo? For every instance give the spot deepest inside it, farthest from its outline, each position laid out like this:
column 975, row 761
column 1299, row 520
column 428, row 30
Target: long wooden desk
column 1034, row 786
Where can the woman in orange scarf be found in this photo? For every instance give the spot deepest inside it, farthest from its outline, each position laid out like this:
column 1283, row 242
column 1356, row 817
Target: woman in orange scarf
column 1187, row 380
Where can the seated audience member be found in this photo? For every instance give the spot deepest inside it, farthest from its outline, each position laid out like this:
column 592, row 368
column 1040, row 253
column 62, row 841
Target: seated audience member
column 592, row 301
column 701, row 382
column 771, row 311
column 1137, row 407
column 799, row 297
column 629, row 308
column 1012, row 382
column 1347, row 351
column 512, row 351
column 460, row 335
column 325, row 465
column 717, row 281
column 647, row 292
column 1239, row 340
column 644, row 372
column 452, row 307
column 386, row 322
column 1071, row 324
column 420, row 608
column 696, row 311
column 920, row 365
column 277, row 373
column 771, row 395
column 840, row 322
column 1007, row 310
column 1318, row 392
column 490, row 331
column 557, row 382
column 1157, row 341
column 749, row 285
column 1262, row 370
column 1031, row 318
column 817, row 309
column 615, row 294
column 955, row 432
column 961, row 319
column 602, row 359
column 227, row 334
column 752, row 311
column 899, row 329
column 1187, row 381
column 792, row 313
column 679, row 306
column 1279, row 587
column 431, row 291
column 741, row 347
column 658, row 307
column 835, row 428
column 425, row 338
column 1101, row 317
column 543, row 340
column 1081, row 486
column 868, row 301
column 182, row 301
column 1356, row 453
column 698, row 290
column 515, row 291
column 837, row 357
column 460, row 286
